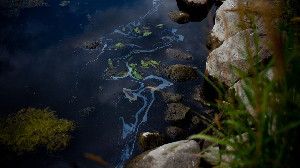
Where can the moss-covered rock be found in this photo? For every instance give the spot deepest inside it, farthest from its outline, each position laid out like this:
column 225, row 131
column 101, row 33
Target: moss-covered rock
column 182, row 73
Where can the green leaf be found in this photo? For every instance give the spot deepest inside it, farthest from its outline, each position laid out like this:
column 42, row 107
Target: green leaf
column 210, row 138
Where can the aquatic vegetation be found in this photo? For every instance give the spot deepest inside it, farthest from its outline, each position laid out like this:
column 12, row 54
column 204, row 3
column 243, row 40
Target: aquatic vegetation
column 64, row 3
column 147, row 33
column 119, row 46
column 160, row 26
column 137, row 30
column 31, row 128
column 134, row 72
column 110, row 64
column 149, row 63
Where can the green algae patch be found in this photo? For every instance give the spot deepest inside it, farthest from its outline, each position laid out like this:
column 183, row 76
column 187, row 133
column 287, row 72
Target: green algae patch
column 32, row 128
column 147, row 33
column 134, row 72
column 110, row 64
column 149, row 63
column 119, row 46
column 137, row 30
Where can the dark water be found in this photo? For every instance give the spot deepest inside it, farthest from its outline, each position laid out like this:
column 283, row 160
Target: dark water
column 44, row 63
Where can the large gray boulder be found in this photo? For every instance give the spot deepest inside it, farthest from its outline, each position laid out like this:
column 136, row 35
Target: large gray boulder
column 232, row 53
column 227, row 21
column 180, row 154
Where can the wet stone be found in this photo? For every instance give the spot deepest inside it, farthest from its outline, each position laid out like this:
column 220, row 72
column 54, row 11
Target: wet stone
column 180, row 154
column 181, row 73
column 176, row 112
column 176, row 133
column 179, row 17
column 197, row 9
column 178, row 54
column 150, row 140
column 92, row 45
column 170, row 97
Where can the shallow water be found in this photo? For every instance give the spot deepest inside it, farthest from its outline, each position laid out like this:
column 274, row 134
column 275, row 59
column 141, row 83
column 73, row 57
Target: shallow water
column 44, row 63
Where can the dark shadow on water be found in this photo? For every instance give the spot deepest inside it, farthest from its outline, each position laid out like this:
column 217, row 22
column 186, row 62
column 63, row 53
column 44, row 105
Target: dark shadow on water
column 43, row 64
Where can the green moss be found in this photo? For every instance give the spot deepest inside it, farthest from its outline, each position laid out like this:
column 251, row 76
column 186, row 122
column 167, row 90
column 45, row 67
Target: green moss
column 147, row 33
column 110, row 64
column 149, row 63
column 137, row 30
column 31, row 128
column 134, row 72
column 119, row 46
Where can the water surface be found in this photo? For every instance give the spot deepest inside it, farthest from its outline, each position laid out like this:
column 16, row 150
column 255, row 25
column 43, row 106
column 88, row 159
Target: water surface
column 44, row 63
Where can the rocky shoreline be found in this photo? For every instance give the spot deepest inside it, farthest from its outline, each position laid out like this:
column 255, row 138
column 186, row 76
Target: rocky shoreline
column 171, row 149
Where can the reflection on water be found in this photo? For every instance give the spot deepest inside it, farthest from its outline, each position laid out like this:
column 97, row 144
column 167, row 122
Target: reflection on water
column 47, row 63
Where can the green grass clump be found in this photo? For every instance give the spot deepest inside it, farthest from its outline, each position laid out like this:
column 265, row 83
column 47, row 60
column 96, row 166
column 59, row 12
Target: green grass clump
column 31, row 128
column 264, row 130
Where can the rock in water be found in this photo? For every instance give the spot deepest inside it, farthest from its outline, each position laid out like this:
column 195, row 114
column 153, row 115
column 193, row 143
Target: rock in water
column 175, row 133
column 170, row 97
column 150, row 140
column 197, row 9
column 179, row 17
column 180, row 154
column 92, row 45
column 176, row 112
column 178, row 54
column 182, row 73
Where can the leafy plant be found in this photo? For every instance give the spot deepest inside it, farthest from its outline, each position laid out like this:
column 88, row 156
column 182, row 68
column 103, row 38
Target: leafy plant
column 260, row 128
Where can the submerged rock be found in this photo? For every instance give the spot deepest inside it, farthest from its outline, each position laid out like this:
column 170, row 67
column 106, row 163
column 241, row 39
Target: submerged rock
column 182, row 73
column 170, row 97
column 92, row 45
column 178, row 54
column 150, row 140
column 180, row 154
column 12, row 8
column 176, row 112
column 175, row 133
column 179, row 17
column 197, row 9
